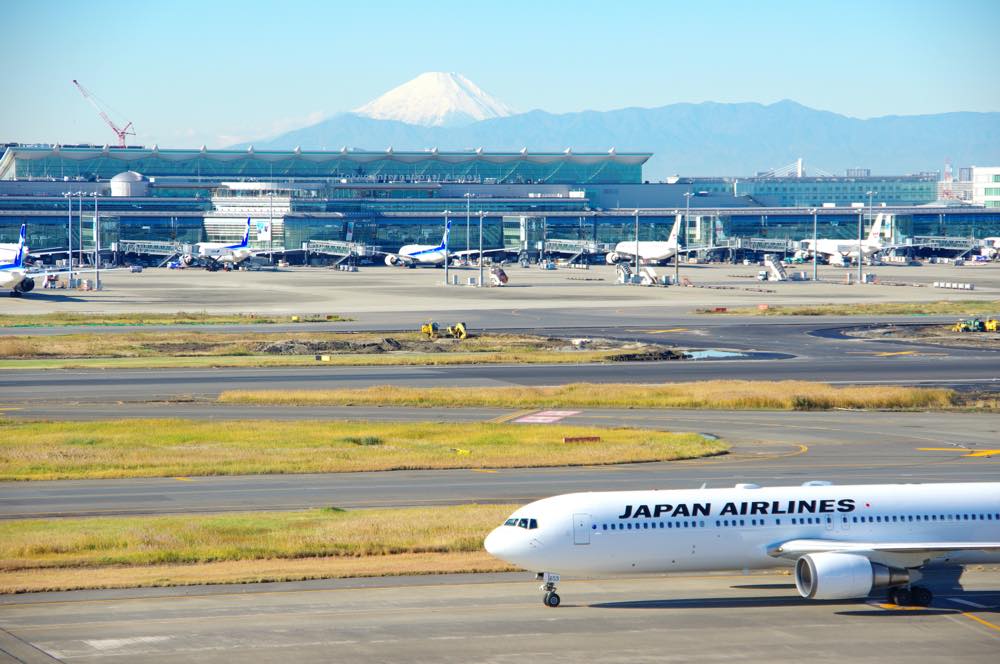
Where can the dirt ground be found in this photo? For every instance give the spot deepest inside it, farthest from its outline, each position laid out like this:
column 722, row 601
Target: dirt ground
column 940, row 335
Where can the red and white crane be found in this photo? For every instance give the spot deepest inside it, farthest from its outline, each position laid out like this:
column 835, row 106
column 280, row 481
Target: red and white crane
column 121, row 132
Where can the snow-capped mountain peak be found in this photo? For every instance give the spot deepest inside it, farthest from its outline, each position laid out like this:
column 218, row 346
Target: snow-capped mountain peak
column 436, row 99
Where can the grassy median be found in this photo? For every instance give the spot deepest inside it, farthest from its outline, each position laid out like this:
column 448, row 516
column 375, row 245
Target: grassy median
column 168, row 448
column 262, row 349
column 139, row 318
column 717, row 394
column 109, row 552
column 941, row 307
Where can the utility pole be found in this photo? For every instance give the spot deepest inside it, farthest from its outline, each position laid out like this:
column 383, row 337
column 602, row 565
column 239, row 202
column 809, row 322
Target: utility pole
column 481, row 213
column 677, row 249
column 815, row 269
column 637, row 241
column 97, row 246
column 69, row 233
column 870, row 193
column 447, row 239
column 468, row 199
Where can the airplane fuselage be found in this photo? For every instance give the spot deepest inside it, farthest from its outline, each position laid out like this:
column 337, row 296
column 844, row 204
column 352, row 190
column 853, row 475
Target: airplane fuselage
column 649, row 251
column 644, row 532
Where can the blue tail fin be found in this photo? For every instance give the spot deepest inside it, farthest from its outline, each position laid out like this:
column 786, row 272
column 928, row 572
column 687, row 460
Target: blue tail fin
column 447, row 234
column 19, row 257
column 246, row 235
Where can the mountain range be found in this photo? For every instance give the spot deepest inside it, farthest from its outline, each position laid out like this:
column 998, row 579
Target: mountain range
column 449, row 112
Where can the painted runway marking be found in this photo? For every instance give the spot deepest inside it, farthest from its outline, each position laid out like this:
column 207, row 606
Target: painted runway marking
column 979, row 620
column 982, row 454
column 673, row 329
column 547, row 417
column 967, row 603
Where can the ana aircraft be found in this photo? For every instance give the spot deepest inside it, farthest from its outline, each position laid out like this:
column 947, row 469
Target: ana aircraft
column 415, row 255
column 216, row 254
column 649, row 251
column 13, row 274
column 844, row 541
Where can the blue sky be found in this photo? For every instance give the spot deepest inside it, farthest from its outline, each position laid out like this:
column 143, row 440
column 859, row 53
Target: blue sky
column 217, row 72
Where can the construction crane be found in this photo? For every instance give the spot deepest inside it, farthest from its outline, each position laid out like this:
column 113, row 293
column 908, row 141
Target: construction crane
column 121, row 132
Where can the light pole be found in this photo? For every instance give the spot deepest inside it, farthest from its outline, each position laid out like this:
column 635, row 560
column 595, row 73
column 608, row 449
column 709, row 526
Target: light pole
column 481, row 213
column 69, row 232
column 637, row 241
column 447, row 239
column 677, row 249
column 468, row 200
column 870, row 193
column 97, row 246
column 815, row 269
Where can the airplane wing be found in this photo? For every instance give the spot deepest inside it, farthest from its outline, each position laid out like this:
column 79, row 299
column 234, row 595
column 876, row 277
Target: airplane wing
column 899, row 553
column 473, row 252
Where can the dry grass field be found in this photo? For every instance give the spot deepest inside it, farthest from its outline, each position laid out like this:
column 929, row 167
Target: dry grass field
column 108, row 552
column 718, row 394
column 941, row 307
column 171, row 448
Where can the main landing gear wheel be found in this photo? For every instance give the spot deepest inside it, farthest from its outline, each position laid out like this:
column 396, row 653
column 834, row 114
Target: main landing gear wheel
column 551, row 600
column 901, row 596
column 921, row 596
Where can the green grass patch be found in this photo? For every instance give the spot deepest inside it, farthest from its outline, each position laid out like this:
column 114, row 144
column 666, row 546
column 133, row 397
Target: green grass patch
column 164, row 448
column 718, row 394
column 941, row 307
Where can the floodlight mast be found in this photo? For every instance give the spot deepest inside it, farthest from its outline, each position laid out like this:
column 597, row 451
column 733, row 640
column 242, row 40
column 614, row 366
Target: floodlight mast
column 121, row 132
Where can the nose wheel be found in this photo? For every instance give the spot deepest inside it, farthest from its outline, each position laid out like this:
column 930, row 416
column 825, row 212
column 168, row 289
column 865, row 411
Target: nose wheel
column 549, row 581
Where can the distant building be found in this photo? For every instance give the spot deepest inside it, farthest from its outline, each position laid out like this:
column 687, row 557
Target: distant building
column 859, row 172
column 986, row 186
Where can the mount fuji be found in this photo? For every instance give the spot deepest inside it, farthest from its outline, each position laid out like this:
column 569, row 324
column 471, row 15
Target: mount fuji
column 436, row 99
column 450, row 112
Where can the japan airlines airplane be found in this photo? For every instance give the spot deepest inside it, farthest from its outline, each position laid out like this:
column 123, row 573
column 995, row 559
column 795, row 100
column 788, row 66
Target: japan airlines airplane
column 212, row 254
column 649, row 251
column 843, row 541
column 13, row 274
column 841, row 249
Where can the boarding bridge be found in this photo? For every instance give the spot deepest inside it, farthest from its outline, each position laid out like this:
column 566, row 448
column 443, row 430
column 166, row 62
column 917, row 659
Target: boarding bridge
column 169, row 250
column 340, row 248
column 962, row 245
column 766, row 244
column 577, row 248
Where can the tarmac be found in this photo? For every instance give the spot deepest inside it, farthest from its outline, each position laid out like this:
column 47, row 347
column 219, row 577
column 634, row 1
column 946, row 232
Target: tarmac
column 499, row 619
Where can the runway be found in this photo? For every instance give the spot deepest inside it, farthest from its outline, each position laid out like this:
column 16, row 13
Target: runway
column 770, row 448
column 499, row 618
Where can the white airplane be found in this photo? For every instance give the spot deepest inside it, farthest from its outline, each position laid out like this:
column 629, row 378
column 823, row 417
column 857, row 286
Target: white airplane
column 649, row 251
column 414, row 255
column 843, row 541
column 840, row 250
column 13, row 274
column 214, row 254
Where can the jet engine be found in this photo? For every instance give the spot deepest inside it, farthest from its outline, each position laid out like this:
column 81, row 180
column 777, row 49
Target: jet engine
column 843, row 576
column 391, row 261
column 611, row 258
column 26, row 286
column 188, row 260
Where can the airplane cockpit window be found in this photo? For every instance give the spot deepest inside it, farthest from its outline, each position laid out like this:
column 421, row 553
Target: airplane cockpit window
column 527, row 524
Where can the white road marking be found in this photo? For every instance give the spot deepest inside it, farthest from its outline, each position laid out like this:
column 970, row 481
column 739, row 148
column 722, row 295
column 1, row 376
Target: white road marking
column 967, row 603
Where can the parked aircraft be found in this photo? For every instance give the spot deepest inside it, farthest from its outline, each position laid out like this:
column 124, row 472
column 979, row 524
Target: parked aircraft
column 13, row 274
column 415, row 255
column 216, row 254
column 839, row 250
column 649, row 251
column 843, row 541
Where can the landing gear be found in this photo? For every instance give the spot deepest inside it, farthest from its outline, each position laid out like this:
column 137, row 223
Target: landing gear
column 549, row 582
column 912, row 596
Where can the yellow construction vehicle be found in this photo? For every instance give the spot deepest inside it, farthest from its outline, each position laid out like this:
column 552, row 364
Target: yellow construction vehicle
column 458, row 331
column 992, row 325
column 430, row 329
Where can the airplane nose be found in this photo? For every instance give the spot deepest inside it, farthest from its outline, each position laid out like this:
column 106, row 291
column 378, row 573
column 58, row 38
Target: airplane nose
column 494, row 543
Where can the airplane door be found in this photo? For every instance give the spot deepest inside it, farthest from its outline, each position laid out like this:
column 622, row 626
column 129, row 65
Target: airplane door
column 581, row 529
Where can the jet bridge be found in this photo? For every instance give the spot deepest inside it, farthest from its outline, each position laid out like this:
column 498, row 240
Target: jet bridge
column 577, row 249
column 345, row 250
column 168, row 250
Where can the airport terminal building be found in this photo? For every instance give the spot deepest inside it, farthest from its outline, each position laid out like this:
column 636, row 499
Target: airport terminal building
column 390, row 198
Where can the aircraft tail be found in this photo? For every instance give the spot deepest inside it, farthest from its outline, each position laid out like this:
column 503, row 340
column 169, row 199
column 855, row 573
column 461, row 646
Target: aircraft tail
column 875, row 234
column 447, row 234
column 675, row 231
column 246, row 236
column 19, row 256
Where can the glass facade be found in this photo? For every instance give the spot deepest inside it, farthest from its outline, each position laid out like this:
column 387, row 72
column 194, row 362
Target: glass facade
column 807, row 192
column 90, row 163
